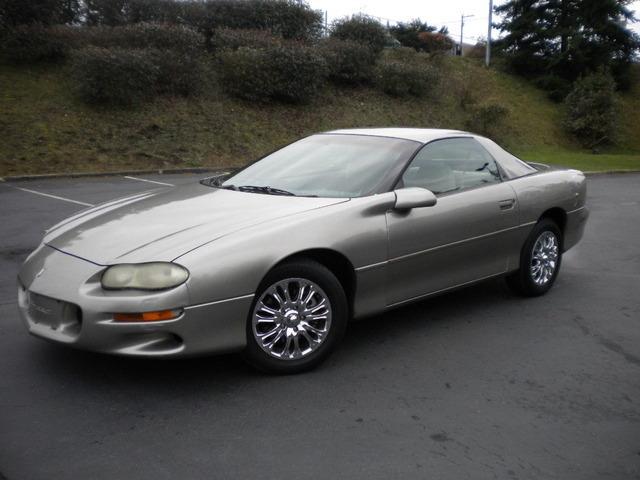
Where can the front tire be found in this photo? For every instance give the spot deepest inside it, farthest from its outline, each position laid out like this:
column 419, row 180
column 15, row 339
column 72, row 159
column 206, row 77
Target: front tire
column 297, row 318
column 540, row 260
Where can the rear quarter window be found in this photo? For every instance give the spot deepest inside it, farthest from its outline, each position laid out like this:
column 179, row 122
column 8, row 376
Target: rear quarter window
column 512, row 166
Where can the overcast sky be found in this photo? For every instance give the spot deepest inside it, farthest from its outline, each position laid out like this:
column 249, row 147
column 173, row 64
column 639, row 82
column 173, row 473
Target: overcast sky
column 435, row 12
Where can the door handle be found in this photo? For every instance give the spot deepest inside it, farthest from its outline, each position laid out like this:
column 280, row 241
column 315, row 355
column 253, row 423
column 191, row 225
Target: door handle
column 507, row 204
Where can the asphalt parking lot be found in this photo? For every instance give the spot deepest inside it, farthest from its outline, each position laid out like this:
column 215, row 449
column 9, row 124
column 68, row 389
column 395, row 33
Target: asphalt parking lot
column 474, row 384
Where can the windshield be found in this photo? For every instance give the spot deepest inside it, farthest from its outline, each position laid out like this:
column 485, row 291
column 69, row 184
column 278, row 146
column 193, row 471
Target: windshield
column 325, row 165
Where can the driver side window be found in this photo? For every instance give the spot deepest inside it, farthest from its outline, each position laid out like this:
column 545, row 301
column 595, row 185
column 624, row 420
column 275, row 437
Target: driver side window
column 450, row 165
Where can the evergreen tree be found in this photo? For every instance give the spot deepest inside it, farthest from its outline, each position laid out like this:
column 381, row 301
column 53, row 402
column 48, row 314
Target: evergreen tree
column 45, row 12
column 419, row 35
column 107, row 12
column 591, row 109
column 558, row 41
column 407, row 33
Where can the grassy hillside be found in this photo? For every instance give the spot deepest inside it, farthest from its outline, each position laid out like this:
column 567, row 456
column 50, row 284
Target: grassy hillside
column 44, row 129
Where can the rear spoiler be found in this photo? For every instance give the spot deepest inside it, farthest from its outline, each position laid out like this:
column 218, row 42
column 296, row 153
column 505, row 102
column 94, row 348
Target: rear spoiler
column 541, row 167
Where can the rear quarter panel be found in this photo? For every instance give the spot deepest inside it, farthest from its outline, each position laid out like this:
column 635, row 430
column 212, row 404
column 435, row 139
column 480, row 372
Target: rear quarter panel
column 538, row 193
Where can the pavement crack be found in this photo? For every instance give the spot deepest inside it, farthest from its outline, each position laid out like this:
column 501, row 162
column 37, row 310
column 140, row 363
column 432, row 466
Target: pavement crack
column 619, row 349
column 607, row 343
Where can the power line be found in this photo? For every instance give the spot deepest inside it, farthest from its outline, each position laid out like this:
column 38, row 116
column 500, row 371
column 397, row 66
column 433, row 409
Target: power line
column 475, row 19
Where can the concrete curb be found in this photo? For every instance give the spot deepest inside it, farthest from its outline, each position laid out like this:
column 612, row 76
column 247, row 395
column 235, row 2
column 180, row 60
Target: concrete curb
column 610, row 172
column 165, row 171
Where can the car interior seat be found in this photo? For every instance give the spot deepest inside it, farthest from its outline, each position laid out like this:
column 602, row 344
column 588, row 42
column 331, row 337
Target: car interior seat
column 432, row 175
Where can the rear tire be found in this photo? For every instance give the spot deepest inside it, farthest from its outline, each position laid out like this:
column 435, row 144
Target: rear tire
column 297, row 318
column 540, row 260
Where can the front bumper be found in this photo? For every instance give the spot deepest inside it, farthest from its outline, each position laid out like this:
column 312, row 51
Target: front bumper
column 60, row 299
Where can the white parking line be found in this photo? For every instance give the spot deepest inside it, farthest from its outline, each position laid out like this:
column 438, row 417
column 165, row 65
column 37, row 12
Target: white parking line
column 53, row 196
column 150, row 181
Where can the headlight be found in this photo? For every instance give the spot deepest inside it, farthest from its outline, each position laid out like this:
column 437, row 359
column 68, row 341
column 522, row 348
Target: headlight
column 144, row 276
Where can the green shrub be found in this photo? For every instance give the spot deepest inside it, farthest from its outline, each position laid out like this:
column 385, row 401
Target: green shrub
column 155, row 35
column 289, row 19
column 114, row 76
column 487, row 118
column 183, row 12
column 591, row 109
column 233, row 38
column 348, row 62
column 32, row 44
column 179, row 73
column 362, row 29
column 242, row 73
column 139, row 35
column 127, row 76
column 401, row 79
column 291, row 73
column 402, row 54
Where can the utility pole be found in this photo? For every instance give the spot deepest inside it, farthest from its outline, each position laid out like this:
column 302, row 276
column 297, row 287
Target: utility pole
column 326, row 23
column 462, row 17
column 487, row 59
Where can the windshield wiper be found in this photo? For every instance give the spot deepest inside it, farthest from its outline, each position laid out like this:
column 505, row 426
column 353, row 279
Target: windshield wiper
column 260, row 189
column 216, row 180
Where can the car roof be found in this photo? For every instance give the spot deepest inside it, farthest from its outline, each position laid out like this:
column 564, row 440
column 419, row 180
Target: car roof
column 512, row 166
column 422, row 135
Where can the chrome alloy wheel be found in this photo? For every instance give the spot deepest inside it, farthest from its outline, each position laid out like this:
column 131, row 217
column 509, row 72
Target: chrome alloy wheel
column 292, row 318
column 544, row 258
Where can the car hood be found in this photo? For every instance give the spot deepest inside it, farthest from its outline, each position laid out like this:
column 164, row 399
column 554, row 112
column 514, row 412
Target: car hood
column 163, row 225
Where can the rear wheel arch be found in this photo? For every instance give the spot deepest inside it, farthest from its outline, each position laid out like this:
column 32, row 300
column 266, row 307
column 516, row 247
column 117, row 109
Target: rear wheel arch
column 522, row 281
column 558, row 216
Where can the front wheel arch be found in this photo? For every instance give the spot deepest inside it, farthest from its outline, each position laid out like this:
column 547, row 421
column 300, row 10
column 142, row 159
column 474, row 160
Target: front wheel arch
column 335, row 262
column 300, row 269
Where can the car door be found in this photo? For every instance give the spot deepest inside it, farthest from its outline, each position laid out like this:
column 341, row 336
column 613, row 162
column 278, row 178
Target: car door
column 462, row 238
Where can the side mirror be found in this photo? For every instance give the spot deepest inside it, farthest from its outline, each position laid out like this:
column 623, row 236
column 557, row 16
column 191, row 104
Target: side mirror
column 414, row 197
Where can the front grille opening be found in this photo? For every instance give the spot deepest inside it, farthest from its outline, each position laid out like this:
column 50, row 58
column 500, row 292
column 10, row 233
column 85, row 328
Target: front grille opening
column 72, row 320
column 61, row 317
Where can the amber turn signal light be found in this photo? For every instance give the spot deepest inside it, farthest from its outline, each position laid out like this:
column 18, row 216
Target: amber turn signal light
column 147, row 316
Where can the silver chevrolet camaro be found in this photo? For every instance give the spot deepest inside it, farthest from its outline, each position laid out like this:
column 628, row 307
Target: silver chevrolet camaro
column 274, row 259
